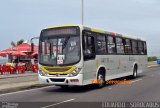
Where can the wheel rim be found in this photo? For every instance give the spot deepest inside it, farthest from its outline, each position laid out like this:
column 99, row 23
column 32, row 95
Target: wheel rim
column 135, row 73
column 100, row 80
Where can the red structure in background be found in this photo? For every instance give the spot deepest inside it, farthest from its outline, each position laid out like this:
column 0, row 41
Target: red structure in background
column 11, row 69
column 25, row 47
column 18, row 53
column 22, row 50
column 3, row 55
column 34, row 54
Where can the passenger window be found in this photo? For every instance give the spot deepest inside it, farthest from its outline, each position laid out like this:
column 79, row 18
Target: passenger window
column 140, row 48
column 101, row 44
column 111, row 45
column 128, row 48
column 134, row 47
column 145, row 48
column 120, row 47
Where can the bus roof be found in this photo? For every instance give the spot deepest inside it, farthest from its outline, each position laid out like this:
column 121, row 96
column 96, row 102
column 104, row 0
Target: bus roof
column 93, row 29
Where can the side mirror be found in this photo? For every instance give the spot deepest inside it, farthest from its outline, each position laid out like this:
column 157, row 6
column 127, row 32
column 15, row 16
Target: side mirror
column 32, row 47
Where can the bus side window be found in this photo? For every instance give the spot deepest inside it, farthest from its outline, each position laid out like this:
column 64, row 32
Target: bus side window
column 140, row 48
column 101, row 44
column 88, row 46
column 134, row 47
column 111, row 45
column 145, row 48
column 128, row 48
column 120, row 46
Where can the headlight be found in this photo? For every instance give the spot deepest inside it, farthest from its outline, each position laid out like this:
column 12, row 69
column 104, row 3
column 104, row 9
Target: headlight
column 41, row 73
column 76, row 71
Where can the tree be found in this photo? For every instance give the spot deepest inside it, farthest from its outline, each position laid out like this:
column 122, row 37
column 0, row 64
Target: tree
column 152, row 58
column 14, row 44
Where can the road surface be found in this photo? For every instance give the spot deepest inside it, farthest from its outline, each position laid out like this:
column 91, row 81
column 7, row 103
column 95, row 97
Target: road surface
column 145, row 88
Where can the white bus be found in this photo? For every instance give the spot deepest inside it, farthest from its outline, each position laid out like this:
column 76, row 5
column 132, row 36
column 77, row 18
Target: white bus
column 78, row 55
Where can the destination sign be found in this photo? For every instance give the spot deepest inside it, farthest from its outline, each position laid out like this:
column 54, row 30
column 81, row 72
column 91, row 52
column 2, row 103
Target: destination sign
column 61, row 31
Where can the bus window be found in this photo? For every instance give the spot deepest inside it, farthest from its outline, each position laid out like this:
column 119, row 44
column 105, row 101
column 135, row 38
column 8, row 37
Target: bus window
column 120, row 47
column 145, row 48
column 140, row 48
column 128, row 49
column 134, row 47
column 88, row 46
column 111, row 45
column 46, row 50
column 101, row 44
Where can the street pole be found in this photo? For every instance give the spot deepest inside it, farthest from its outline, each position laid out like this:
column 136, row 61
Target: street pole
column 32, row 44
column 82, row 12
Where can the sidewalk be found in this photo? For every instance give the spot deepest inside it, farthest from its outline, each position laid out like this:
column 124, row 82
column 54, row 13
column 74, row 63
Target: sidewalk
column 16, row 82
column 18, row 78
column 27, row 73
column 152, row 64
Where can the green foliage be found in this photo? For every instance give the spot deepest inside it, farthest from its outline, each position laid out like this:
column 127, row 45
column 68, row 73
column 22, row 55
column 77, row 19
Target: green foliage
column 20, row 42
column 14, row 44
column 152, row 58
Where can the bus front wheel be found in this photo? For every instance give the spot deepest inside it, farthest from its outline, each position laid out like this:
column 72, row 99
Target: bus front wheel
column 100, row 79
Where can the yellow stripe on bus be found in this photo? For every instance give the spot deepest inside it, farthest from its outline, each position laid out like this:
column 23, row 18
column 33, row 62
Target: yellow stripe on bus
column 65, row 25
column 43, row 68
column 97, row 30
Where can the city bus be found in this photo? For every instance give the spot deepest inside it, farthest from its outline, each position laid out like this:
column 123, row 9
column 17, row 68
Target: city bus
column 78, row 55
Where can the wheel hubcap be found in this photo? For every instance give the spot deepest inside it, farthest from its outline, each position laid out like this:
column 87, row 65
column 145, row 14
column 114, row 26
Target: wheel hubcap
column 100, row 80
column 135, row 73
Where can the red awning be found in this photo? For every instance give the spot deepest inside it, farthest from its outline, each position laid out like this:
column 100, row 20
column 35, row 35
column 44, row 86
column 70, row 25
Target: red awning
column 3, row 55
column 18, row 53
column 6, row 51
column 34, row 54
column 19, row 50
column 25, row 48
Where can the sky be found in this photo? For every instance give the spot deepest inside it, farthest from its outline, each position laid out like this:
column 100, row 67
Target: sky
column 24, row 19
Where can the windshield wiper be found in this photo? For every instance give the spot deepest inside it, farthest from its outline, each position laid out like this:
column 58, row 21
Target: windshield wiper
column 65, row 42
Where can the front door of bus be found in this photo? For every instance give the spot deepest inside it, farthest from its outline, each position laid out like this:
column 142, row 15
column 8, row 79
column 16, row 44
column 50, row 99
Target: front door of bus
column 89, row 70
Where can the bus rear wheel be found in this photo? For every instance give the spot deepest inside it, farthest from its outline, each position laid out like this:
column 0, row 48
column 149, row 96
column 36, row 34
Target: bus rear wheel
column 134, row 72
column 100, row 79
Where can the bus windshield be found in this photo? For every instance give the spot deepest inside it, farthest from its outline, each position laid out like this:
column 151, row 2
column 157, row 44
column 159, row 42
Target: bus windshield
column 59, row 50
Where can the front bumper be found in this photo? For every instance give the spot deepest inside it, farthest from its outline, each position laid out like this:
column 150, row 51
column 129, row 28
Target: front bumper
column 76, row 80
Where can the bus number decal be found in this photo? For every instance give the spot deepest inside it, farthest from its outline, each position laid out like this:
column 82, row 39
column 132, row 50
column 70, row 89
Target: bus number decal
column 60, row 59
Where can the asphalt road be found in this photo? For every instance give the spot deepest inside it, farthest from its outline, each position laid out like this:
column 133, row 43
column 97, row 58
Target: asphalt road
column 145, row 88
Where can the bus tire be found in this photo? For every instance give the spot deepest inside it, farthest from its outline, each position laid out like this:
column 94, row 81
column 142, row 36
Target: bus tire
column 100, row 79
column 135, row 72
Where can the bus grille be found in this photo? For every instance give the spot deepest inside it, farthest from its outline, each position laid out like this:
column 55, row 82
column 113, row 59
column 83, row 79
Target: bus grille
column 58, row 70
column 57, row 80
column 58, row 74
